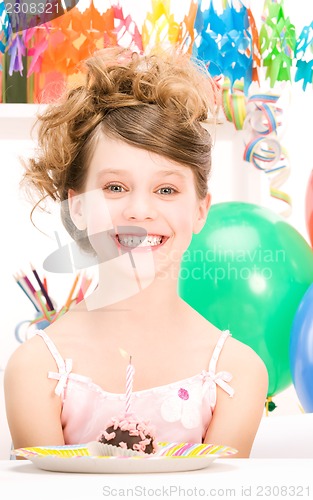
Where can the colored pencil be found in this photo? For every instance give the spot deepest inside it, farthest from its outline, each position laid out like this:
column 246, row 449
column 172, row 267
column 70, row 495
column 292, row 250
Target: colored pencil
column 45, row 284
column 28, row 290
column 46, row 312
column 24, row 289
column 42, row 288
column 40, row 298
column 85, row 284
column 32, row 289
column 80, row 295
column 70, row 296
column 60, row 313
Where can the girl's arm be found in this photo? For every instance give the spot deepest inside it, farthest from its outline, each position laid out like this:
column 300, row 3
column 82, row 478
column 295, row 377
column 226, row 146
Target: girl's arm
column 33, row 409
column 236, row 420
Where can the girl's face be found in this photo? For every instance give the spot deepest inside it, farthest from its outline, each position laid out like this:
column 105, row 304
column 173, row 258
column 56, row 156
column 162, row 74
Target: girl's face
column 140, row 203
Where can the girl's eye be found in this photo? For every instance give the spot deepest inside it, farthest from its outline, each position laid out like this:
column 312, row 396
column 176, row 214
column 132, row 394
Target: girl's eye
column 109, row 186
column 168, row 188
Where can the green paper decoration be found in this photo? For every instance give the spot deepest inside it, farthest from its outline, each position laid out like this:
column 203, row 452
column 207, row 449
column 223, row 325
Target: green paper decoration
column 277, row 42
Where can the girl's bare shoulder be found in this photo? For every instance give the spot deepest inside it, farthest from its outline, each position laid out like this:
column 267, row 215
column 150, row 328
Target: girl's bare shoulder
column 32, row 407
column 238, row 357
column 33, row 355
column 235, row 355
column 29, row 357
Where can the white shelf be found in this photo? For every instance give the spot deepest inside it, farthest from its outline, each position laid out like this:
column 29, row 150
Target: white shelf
column 19, row 110
column 16, row 120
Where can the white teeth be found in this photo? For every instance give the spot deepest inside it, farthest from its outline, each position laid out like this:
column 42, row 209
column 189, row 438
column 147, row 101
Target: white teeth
column 134, row 241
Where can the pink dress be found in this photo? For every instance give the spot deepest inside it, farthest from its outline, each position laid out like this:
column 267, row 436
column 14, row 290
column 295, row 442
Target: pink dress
column 180, row 412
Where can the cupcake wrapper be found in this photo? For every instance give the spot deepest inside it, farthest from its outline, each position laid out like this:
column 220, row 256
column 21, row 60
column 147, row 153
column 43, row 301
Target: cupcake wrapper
column 97, row 449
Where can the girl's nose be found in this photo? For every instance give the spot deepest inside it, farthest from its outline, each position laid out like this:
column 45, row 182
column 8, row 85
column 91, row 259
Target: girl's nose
column 139, row 207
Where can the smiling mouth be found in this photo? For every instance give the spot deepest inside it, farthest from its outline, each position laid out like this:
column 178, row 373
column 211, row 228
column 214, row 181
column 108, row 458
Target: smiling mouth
column 133, row 241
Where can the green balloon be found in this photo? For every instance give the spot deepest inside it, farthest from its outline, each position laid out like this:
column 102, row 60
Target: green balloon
column 247, row 271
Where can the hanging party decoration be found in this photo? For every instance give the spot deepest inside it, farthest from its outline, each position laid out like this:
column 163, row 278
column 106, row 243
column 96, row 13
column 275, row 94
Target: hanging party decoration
column 234, row 102
column 263, row 146
column 159, row 27
column 224, row 41
column 277, row 42
column 186, row 34
column 221, row 33
column 5, row 28
column 75, row 36
column 16, row 51
column 36, row 50
column 304, row 56
column 128, row 34
column 256, row 56
column 229, row 44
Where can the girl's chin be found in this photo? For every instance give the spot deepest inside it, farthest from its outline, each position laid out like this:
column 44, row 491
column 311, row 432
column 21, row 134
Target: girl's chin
column 144, row 266
column 127, row 265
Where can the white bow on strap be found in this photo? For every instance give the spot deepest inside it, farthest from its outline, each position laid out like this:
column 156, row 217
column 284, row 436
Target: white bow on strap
column 220, row 378
column 62, row 376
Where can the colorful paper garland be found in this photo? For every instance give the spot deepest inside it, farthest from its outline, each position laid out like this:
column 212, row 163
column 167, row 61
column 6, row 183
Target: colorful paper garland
column 303, row 54
column 228, row 41
column 5, row 28
column 277, row 42
column 225, row 42
column 234, row 102
column 263, row 148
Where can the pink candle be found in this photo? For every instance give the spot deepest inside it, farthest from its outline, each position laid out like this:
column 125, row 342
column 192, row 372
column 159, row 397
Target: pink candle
column 129, row 384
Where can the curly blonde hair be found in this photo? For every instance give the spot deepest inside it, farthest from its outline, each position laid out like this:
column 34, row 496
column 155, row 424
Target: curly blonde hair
column 155, row 102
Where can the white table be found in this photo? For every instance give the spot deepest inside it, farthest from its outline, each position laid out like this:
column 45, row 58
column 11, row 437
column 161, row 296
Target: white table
column 224, row 478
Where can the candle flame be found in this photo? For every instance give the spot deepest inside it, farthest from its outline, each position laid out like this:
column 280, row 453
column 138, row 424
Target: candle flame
column 125, row 354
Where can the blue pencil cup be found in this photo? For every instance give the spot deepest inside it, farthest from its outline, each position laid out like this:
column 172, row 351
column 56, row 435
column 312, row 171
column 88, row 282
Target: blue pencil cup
column 25, row 329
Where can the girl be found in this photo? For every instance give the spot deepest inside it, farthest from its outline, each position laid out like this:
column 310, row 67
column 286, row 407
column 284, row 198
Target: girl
column 127, row 156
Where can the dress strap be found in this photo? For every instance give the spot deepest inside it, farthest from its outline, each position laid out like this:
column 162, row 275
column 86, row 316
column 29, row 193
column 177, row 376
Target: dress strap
column 52, row 348
column 64, row 366
column 217, row 350
column 211, row 379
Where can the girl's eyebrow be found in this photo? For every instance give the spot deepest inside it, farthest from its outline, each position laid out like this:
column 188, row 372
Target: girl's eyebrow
column 166, row 173
column 111, row 171
column 173, row 172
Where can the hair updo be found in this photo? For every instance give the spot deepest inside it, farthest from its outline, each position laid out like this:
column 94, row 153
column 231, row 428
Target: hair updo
column 155, row 102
